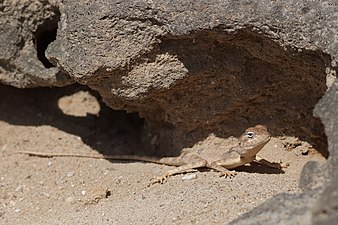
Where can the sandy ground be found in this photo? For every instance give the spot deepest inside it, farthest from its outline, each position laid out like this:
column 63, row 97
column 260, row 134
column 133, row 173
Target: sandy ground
column 36, row 190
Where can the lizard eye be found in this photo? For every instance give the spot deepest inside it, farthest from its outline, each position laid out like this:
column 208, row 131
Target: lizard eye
column 250, row 134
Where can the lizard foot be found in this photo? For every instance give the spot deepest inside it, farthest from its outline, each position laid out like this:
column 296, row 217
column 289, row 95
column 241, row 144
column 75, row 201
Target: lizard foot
column 274, row 165
column 284, row 165
column 279, row 165
column 227, row 174
column 160, row 180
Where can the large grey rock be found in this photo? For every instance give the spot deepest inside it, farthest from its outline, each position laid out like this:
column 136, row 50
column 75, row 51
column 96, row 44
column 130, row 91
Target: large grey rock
column 325, row 211
column 327, row 110
column 191, row 68
column 188, row 68
column 282, row 209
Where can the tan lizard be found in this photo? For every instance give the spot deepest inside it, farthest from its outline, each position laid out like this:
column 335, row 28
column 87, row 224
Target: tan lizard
column 249, row 144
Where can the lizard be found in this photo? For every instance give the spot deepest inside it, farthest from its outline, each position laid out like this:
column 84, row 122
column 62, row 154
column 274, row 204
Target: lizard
column 249, row 144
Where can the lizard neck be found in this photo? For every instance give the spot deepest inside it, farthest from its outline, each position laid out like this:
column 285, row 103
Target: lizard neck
column 248, row 159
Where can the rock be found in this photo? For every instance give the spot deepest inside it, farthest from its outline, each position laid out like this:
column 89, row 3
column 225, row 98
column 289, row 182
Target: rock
column 189, row 176
column 187, row 73
column 193, row 69
column 282, row 209
column 96, row 194
column 70, row 173
column 312, row 176
column 185, row 68
column 26, row 29
column 325, row 210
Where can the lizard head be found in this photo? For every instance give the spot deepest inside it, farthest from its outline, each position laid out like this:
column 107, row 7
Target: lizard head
column 253, row 140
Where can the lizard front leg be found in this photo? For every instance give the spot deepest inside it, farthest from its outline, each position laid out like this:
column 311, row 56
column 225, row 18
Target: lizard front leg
column 217, row 165
column 230, row 161
column 223, row 171
column 271, row 164
column 192, row 162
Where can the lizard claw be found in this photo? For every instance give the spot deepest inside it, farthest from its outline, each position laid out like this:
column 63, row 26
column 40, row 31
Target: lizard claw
column 280, row 165
column 284, row 165
column 227, row 174
column 160, row 180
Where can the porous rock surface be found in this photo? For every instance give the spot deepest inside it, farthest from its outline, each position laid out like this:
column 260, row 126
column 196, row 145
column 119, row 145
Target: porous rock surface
column 22, row 42
column 189, row 68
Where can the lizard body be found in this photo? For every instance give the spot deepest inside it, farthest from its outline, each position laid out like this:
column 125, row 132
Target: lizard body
column 249, row 144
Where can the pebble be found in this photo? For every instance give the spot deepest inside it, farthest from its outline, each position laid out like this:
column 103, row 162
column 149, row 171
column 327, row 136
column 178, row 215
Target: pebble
column 70, row 199
column 70, row 174
column 42, row 182
column 45, row 194
column 20, row 188
column 189, row 176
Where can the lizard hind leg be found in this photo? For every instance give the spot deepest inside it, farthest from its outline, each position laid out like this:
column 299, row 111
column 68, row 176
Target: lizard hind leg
column 191, row 162
column 271, row 164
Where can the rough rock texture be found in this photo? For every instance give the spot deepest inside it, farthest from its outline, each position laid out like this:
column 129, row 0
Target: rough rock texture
column 325, row 211
column 281, row 209
column 189, row 68
column 24, row 29
column 192, row 69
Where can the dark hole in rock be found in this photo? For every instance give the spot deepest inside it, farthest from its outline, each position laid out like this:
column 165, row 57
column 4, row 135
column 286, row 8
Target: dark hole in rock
column 46, row 34
column 42, row 42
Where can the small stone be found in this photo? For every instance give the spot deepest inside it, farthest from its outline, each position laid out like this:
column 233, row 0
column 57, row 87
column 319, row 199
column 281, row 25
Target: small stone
column 42, row 182
column 70, row 174
column 45, row 194
column 12, row 203
column 70, row 199
column 19, row 188
column 189, row 176
column 83, row 192
column 301, row 150
column 50, row 163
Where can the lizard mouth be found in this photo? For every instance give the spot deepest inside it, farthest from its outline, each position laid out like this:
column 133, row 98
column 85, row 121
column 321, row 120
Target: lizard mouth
column 267, row 140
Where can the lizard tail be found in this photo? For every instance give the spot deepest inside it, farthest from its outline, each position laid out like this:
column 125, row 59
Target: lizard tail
column 172, row 161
